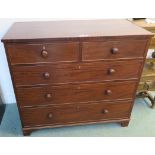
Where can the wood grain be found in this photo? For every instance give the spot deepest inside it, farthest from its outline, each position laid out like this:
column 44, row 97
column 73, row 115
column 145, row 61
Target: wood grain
column 35, row 96
column 103, row 50
column 32, row 53
column 74, row 113
column 72, row 29
column 75, row 73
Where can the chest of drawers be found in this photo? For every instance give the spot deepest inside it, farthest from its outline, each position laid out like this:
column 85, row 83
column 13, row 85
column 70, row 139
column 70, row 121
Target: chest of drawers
column 75, row 72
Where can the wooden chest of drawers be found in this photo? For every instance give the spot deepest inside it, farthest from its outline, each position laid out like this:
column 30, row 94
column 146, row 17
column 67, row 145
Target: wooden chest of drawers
column 75, row 72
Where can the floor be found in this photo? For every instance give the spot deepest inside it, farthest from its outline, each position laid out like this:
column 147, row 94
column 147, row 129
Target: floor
column 2, row 109
column 142, row 124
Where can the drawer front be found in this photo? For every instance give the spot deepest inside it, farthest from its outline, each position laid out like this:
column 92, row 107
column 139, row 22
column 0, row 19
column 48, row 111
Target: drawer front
column 76, row 72
column 34, row 53
column 75, row 93
column 113, row 50
column 55, row 115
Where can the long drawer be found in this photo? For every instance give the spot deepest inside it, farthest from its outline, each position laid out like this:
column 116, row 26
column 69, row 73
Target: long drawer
column 73, row 113
column 34, row 96
column 49, row 52
column 113, row 49
column 76, row 72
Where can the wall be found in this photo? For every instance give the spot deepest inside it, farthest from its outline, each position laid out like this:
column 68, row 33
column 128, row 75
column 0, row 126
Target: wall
column 6, row 88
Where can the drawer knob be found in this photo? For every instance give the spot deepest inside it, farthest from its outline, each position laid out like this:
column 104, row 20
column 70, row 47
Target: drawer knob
column 78, row 107
column 111, row 71
column 105, row 111
column 79, row 67
column 46, row 75
column 48, row 95
column 50, row 115
column 114, row 50
column 108, row 92
column 44, row 54
column 78, row 87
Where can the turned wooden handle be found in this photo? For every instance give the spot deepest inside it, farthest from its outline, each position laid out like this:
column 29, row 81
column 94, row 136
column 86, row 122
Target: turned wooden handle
column 78, row 107
column 44, row 54
column 46, row 75
column 108, row 92
column 48, row 95
column 111, row 71
column 50, row 115
column 114, row 50
column 105, row 111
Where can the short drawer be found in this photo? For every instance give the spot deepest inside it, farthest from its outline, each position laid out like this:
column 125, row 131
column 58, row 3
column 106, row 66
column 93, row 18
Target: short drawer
column 76, row 72
column 40, row 53
column 113, row 49
column 44, row 95
column 60, row 115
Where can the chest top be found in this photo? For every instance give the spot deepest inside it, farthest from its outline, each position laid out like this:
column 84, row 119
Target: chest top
column 69, row 29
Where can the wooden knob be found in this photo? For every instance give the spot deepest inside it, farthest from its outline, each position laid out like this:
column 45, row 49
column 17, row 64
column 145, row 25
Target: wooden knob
column 44, row 54
column 46, row 75
column 105, row 111
column 78, row 107
column 153, row 55
column 48, row 95
column 78, row 87
column 50, row 115
column 108, row 92
column 79, row 67
column 114, row 50
column 111, row 71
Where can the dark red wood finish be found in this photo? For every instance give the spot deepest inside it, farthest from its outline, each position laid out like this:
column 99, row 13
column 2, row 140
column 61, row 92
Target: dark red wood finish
column 45, row 95
column 54, row 115
column 113, row 49
column 73, row 30
column 47, row 52
column 75, row 72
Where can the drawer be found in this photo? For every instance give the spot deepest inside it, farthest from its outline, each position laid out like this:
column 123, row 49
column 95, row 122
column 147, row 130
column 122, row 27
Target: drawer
column 113, row 49
column 34, row 96
column 40, row 53
column 76, row 72
column 59, row 115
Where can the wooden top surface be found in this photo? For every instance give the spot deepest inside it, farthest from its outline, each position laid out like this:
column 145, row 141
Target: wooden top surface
column 71, row 29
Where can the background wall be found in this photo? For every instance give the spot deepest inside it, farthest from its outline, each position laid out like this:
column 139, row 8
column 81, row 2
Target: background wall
column 6, row 88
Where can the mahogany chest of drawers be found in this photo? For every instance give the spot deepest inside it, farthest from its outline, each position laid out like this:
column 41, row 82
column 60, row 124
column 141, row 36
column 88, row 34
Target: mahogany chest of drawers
column 75, row 72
